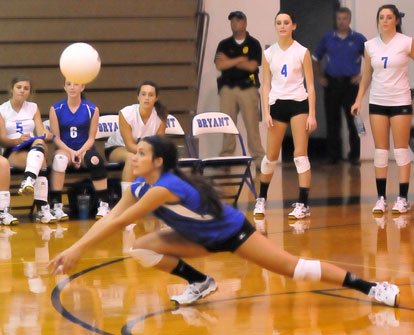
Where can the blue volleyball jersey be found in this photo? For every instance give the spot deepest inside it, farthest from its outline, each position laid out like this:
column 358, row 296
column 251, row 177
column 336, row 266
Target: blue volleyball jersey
column 74, row 127
column 186, row 217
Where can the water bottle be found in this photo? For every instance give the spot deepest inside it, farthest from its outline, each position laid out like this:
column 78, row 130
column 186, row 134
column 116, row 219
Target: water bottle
column 180, row 151
column 359, row 124
column 83, row 206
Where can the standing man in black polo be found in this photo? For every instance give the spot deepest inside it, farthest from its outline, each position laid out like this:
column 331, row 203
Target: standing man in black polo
column 238, row 58
column 343, row 49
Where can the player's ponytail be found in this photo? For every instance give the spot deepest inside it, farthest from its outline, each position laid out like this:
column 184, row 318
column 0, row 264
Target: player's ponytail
column 166, row 149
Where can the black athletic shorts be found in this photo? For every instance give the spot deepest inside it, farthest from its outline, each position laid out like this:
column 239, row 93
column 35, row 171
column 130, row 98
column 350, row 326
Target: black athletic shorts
column 234, row 242
column 109, row 150
column 390, row 111
column 284, row 110
column 9, row 151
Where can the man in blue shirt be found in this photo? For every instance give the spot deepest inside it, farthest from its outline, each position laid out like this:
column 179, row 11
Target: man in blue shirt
column 343, row 49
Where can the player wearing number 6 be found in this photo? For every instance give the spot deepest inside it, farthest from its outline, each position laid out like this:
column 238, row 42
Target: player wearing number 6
column 386, row 69
column 74, row 121
column 285, row 100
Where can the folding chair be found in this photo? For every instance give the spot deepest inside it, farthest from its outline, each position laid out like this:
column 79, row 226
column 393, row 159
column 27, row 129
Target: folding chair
column 220, row 123
column 175, row 130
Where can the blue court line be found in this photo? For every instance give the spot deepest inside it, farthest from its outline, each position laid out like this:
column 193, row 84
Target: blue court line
column 127, row 328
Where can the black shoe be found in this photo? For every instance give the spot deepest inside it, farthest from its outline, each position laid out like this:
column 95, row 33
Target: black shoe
column 355, row 161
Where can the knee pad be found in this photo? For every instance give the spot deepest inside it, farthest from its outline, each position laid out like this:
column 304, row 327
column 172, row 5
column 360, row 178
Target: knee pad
column 402, row 156
column 267, row 166
column 381, row 158
column 147, row 258
column 302, row 164
column 60, row 163
column 95, row 164
column 308, row 270
column 38, row 147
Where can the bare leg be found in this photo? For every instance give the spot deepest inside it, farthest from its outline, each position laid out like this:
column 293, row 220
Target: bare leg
column 300, row 140
column 58, row 178
column 380, row 126
column 5, row 174
column 400, row 126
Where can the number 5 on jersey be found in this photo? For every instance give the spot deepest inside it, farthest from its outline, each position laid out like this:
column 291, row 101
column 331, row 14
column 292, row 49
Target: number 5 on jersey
column 284, row 70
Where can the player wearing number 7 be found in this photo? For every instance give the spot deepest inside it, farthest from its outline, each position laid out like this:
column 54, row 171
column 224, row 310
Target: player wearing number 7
column 285, row 100
column 74, row 121
column 386, row 69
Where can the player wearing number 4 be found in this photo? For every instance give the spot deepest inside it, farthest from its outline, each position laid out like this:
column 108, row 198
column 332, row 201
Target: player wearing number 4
column 74, row 121
column 285, row 100
column 386, row 69
column 20, row 120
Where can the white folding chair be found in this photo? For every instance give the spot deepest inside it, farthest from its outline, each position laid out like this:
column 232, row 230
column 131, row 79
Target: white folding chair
column 220, row 123
column 174, row 129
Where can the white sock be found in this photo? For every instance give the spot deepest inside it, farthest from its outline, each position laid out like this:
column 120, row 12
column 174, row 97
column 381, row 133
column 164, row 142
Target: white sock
column 34, row 161
column 4, row 200
column 41, row 187
column 125, row 185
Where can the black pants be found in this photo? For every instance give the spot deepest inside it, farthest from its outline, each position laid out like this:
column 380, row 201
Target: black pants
column 340, row 94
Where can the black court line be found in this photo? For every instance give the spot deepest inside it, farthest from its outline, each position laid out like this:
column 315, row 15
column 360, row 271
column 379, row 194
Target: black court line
column 127, row 328
column 57, row 304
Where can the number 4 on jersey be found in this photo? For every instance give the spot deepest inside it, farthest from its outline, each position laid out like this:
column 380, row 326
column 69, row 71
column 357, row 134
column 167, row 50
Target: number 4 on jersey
column 284, row 70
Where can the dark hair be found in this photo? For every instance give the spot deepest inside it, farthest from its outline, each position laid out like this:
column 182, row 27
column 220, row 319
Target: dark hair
column 344, row 10
column 283, row 11
column 162, row 111
column 20, row 77
column 396, row 13
column 166, row 149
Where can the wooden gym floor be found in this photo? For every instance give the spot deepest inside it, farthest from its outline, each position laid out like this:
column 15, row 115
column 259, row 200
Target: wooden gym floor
column 110, row 293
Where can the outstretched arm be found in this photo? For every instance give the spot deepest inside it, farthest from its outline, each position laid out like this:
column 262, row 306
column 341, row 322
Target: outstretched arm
column 125, row 212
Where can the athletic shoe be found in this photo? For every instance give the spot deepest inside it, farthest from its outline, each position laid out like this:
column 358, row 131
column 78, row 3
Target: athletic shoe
column 380, row 206
column 27, row 186
column 300, row 211
column 7, row 219
column 103, row 210
column 45, row 216
column 401, row 206
column 386, row 293
column 195, row 291
column 58, row 212
column 259, row 208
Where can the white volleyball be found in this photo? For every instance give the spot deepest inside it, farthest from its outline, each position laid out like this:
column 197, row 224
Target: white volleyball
column 80, row 63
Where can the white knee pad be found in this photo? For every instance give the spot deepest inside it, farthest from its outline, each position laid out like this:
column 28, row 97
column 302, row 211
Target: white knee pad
column 60, row 163
column 34, row 161
column 308, row 270
column 402, row 156
column 381, row 158
column 267, row 166
column 147, row 258
column 302, row 164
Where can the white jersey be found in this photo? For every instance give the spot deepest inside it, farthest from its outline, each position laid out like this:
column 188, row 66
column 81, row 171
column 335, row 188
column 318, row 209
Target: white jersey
column 19, row 123
column 390, row 84
column 139, row 128
column 287, row 72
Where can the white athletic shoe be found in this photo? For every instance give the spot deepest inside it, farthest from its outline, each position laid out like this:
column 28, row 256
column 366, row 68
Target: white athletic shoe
column 401, row 206
column 381, row 206
column 7, row 219
column 27, row 186
column 387, row 293
column 259, row 208
column 103, row 210
column 58, row 212
column 300, row 211
column 195, row 291
column 45, row 216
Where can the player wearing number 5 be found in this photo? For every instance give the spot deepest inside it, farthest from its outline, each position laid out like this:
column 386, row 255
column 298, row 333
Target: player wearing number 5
column 285, row 100
column 386, row 68
column 20, row 121
column 74, row 121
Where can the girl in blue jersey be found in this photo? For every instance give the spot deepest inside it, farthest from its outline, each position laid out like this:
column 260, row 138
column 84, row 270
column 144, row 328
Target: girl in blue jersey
column 201, row 225
column 74, row 121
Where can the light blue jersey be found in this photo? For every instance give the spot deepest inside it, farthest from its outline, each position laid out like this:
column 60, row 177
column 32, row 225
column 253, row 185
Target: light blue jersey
column 186, row 217
column 74, row 127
